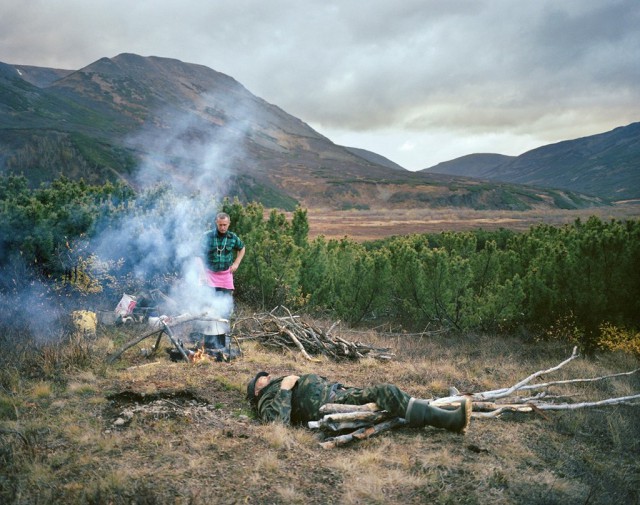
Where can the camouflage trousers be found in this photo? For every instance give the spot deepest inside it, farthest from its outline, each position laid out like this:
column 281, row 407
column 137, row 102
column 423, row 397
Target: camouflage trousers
column 387, row 396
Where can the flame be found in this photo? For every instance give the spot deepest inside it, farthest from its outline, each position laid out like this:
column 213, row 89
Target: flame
column 198, row 356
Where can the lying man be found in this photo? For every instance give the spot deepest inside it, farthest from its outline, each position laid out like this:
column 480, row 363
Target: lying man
column 297, row 400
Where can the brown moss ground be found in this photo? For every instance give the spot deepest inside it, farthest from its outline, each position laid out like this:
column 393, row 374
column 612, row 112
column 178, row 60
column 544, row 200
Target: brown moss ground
column 362, row 225
column 192, row 439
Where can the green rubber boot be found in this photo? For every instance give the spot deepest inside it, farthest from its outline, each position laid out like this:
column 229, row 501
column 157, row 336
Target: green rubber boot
column 420, row 413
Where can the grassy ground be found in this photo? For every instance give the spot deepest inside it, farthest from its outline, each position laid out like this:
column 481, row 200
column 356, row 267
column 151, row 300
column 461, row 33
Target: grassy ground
column 76, row 430
column 365, row 225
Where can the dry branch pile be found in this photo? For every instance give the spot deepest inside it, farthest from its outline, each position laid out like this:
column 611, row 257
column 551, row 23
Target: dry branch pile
column 343, row 424
column 287, row 331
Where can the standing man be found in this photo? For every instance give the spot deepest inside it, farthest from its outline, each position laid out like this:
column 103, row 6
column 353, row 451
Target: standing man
column 220, row 245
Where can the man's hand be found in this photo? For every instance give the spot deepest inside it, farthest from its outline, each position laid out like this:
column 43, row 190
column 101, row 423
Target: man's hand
column 236, row 263
column 288, row 382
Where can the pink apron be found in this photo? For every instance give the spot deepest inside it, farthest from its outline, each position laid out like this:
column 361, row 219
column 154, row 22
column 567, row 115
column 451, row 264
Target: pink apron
column 223, row 279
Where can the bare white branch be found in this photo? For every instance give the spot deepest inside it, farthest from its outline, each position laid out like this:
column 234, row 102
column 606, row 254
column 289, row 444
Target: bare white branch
column 352, row 417
column 631, row 400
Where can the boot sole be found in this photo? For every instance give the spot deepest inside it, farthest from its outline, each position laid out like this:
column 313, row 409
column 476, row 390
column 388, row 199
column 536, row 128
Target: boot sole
column 468, row 408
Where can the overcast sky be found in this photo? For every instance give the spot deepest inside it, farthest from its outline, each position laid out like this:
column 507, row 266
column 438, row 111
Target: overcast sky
column 418, row 81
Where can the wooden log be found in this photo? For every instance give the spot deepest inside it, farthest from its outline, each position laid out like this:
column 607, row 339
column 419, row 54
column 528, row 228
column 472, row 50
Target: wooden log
column 339, row 427
column 355, row 416
column 348, row 420
column 299, row 345
column 621, row 400
column 175, row 343
column 363, row 433
column 334, row 408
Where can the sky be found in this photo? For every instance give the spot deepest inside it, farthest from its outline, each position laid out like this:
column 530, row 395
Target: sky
column 417, row 81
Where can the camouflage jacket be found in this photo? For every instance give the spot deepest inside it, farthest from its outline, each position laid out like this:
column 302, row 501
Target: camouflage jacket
column 299, row 405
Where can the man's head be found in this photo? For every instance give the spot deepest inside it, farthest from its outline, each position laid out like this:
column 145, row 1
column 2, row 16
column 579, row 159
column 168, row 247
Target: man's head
column 222, row 222
column 256, row 385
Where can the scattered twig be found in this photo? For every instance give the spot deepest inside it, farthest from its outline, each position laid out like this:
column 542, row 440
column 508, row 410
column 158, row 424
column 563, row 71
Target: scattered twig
column 4, row 431
column 153, row 363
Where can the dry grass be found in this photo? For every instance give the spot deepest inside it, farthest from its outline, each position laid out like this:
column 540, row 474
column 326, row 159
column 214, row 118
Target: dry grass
column 191, row 438
column 365, row 225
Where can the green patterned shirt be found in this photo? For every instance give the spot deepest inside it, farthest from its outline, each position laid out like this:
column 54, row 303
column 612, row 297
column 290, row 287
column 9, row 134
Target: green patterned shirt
column 218, row 250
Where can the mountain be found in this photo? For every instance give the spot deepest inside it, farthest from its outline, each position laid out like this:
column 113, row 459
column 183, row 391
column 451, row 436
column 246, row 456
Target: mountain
column 374, row 158
column 41, row 77
column 606, row 165
column 471, row 165
column 153, row 120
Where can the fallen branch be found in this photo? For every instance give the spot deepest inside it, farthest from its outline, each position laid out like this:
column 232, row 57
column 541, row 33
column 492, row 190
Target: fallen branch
column 348, row 420
column 576, row 381
column 503, row 393
column 498, row 409
column 336, row 408
column 485, row 404
column 363, row 433
column 113, row 357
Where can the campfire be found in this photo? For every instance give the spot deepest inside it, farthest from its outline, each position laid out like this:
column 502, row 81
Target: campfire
column 179, row 350
column 201, row 354
column 278, row 329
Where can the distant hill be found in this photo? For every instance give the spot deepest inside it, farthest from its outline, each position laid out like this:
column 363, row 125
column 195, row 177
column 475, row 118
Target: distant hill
column 375, row 158
column 471, row 165
column 153, row 120
column 41, row 77
column 606, row 165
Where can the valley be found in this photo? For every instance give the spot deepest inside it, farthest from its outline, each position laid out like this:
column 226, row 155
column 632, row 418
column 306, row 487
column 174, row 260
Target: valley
column 364, row 225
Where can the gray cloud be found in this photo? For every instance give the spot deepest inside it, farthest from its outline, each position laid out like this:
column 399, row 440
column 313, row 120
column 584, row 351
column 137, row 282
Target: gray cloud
column 464, row 74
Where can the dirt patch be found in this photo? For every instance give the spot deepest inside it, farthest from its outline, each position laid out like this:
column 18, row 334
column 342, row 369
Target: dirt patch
column 126, row 406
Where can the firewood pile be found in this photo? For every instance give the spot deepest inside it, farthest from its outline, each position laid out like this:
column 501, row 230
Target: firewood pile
column 342, row 424
column 279, row 329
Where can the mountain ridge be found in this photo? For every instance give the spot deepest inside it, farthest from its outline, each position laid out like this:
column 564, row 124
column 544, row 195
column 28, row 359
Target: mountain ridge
column 470, row 165
column 196, row 128
column 606, row 164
